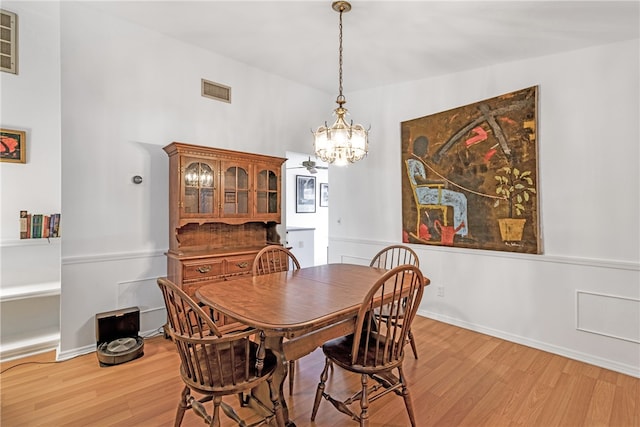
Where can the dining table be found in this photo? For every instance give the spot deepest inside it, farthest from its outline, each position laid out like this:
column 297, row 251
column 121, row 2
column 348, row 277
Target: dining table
column 296, row 311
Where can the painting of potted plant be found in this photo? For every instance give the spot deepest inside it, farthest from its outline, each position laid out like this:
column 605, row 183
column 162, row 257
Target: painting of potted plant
column 463, row 149
column 517, row 189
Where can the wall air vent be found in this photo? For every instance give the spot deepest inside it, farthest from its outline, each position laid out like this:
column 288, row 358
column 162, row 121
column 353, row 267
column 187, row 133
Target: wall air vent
column 8, row 41
column 216, row 91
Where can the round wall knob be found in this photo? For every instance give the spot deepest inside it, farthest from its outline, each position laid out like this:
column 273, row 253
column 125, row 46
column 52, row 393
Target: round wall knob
column 137, row 179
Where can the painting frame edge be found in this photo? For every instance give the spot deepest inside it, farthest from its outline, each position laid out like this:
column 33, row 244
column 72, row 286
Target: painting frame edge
column 21, row 136
column 305, row 204
column 324, row 194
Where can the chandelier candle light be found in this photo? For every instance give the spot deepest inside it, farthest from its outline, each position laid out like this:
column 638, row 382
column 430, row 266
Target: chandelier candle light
column 341, row 143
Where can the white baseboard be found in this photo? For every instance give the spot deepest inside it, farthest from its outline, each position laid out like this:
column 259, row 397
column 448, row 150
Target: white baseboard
column 633, row 371
column 70, row 354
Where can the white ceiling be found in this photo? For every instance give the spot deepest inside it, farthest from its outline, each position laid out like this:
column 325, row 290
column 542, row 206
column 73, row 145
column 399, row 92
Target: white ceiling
column 385, row 42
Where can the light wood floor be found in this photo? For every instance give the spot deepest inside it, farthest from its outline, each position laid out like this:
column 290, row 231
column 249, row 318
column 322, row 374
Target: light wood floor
column 461, row 378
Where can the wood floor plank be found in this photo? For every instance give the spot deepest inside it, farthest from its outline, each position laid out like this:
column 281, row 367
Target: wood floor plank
column 581, row 394
column 439, row 410
column 557, row 402
column 462, row 378
column 601, row 403
column 553, row 370
column 519, row 384
column 626, row 406
column 533, row 405
column 470, row 399
column 488, row 411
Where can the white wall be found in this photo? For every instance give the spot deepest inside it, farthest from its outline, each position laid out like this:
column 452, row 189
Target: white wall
column 589, row 189
column 126, row 93
column 31, row 102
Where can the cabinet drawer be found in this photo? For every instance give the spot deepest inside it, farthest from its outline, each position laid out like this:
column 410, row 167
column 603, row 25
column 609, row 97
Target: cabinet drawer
column 202, row 269
column 241, row 264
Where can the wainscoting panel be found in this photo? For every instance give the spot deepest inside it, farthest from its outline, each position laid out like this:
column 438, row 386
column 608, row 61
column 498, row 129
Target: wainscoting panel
column 145, row 294
column 608, row 315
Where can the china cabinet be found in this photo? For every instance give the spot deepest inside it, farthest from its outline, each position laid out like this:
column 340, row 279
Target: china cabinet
column 224, row 206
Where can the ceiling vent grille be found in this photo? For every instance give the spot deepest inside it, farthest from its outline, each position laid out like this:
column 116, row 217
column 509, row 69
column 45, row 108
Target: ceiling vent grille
column 216, row 91
column 8, row 42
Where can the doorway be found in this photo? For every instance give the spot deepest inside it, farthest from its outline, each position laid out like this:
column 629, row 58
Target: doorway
column 310, row 221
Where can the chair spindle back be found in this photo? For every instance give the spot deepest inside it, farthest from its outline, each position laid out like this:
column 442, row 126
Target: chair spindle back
column 380, row 340
column 208, row 359
column 273, row 259
column 393, row 256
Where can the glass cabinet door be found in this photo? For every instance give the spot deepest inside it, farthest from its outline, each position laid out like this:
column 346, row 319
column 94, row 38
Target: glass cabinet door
column 267, row 192
column 198, row 181
column 236, row 191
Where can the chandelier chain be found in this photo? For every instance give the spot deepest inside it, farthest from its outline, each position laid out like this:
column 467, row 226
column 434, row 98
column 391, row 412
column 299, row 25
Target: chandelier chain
column 340, row 95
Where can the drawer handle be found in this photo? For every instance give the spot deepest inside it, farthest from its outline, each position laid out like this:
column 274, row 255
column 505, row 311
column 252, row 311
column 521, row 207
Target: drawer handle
column 204, row 269
column 242, row 264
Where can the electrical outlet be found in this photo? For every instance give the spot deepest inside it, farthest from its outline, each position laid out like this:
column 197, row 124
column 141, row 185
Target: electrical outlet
column 440, row 291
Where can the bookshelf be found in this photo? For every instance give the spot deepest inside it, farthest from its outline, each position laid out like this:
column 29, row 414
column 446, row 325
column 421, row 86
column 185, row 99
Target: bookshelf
column 30, row 288
column 39, row 226
column 34, row 290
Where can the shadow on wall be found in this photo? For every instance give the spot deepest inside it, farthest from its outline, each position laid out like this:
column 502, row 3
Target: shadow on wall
column 154, row 174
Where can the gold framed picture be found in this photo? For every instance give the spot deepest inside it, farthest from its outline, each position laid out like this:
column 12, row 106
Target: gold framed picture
column 13, row 146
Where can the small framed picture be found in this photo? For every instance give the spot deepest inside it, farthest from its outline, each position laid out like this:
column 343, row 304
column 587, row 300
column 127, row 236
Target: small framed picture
column 13, row 146
column 324, row 194
column 305, row 194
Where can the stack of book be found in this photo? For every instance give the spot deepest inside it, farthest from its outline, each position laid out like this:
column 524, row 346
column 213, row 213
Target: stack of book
column 37, row 226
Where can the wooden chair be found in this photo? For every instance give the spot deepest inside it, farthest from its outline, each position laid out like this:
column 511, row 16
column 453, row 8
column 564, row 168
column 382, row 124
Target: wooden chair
column 214, row 364
column 390, row 257
column 273, row 259
column 393, row 256
column 377, row 346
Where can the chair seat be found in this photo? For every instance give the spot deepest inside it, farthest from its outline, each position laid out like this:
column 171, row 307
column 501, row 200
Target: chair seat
column 339, row 352
column 223, row 372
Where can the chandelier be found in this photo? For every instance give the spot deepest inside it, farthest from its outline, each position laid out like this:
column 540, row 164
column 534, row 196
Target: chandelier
column 341, row 143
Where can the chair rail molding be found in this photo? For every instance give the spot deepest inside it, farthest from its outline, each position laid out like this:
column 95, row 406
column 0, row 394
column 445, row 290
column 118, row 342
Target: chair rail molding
column 557, row 259
column 109, row 257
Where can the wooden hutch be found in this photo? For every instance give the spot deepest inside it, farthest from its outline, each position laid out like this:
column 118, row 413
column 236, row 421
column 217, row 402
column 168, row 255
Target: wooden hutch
column 224, row 206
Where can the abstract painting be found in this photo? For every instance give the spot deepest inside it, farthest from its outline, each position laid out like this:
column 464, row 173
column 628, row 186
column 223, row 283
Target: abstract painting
column 470, row 176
